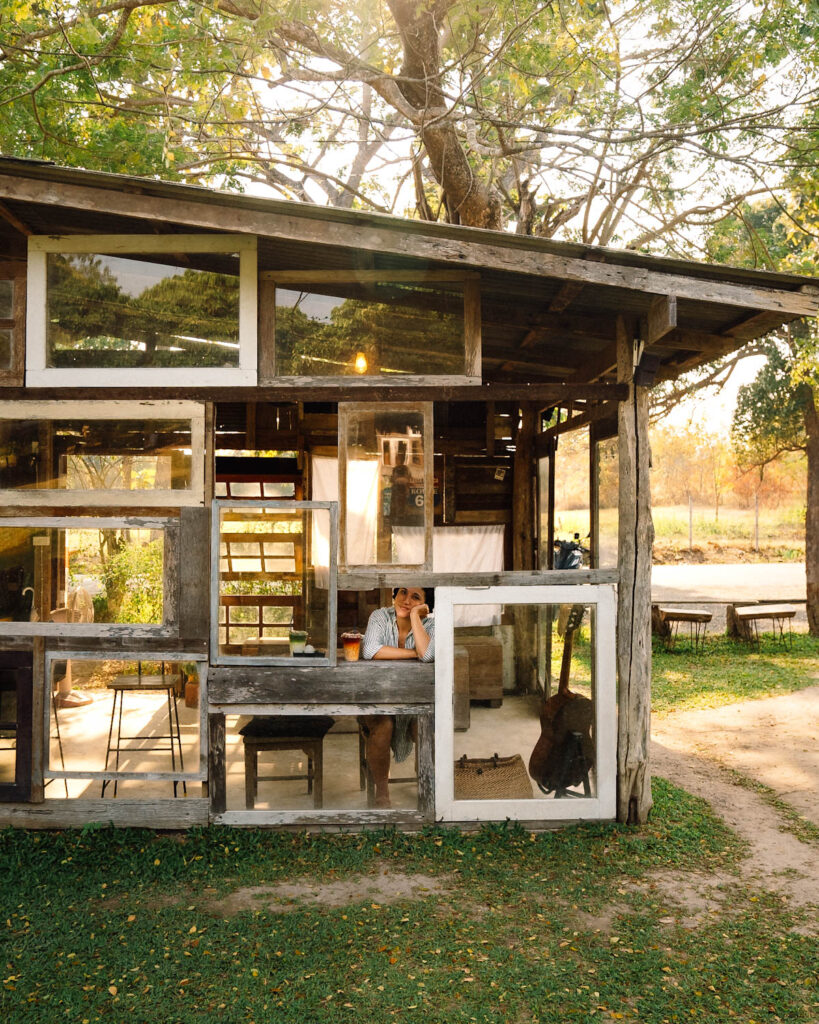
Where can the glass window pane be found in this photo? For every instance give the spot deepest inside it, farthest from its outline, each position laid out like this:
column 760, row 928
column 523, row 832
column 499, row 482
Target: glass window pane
column 263, row 750
column 509, row 746
column 572, row 490
column 274, row 582
column 115, row 311
column 608, row 490
column 6, row 300
column 5, row 348
column 87, row 575
column 384, row 329
column 95, row 455
column 127, row 716
column 386, row 507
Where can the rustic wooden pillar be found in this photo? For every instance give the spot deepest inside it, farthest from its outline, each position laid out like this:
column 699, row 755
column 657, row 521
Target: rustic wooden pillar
column 523, row 547
column 636, row 537
column 217, row 768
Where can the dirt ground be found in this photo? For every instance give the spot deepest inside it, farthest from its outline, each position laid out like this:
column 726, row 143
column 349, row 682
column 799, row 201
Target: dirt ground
column 774, row 741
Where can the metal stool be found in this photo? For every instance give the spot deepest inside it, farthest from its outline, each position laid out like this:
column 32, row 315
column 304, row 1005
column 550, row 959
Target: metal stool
column 173, row 737
column 285, row 732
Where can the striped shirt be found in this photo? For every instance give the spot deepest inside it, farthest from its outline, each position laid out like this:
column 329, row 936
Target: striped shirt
column 382, row 631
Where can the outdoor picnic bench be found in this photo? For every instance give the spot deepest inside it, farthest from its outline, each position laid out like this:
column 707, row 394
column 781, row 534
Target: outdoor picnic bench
column 746, row 620
column 696, row 619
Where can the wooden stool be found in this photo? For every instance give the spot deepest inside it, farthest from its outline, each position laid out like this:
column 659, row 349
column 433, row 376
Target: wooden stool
column 285, row 732
column 748, row 617
column 695, row 618
column 167, row 684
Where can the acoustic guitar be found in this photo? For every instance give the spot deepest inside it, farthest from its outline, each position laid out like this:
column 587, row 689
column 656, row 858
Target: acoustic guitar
column 564, row 753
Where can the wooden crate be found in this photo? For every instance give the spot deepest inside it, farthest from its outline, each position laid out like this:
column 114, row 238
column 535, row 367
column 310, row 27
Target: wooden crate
column 485, row 668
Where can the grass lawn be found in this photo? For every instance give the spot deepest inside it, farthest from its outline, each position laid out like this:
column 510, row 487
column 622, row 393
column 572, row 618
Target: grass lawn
column 729, row 671
column 572, row 925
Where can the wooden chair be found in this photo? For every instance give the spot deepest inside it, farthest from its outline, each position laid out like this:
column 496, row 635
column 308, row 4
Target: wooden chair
column 285, row 732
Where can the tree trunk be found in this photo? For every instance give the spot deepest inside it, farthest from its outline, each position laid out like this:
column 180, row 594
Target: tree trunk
column 812, row 513
column 420, row 83
column 636, row 537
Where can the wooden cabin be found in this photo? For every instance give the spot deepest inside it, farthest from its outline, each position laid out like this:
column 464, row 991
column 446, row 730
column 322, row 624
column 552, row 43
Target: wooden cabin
column 229, row 426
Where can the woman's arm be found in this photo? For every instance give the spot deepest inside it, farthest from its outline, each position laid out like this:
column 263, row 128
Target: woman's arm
column 424, row 633
column 386, row 653
column 379, row 640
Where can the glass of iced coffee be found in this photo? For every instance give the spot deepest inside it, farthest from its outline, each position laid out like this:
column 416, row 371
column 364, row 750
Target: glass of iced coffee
column 351, row 642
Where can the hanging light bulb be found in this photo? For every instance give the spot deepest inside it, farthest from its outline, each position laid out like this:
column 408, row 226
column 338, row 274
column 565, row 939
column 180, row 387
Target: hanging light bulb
column 360, row 363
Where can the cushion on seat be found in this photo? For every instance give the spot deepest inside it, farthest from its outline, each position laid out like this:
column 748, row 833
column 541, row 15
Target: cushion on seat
column 286, row 726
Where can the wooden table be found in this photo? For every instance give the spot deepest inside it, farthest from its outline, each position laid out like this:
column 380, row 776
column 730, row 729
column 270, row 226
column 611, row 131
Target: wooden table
column 349, row 688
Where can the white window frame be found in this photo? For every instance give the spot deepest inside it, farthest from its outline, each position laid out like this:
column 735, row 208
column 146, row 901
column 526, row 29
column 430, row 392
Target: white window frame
column 136, row 411
column 600, row 807
column 39, row 374
column 168, row 628
column 200, row 775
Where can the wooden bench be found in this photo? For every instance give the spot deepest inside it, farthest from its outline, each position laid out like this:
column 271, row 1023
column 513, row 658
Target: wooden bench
column 696, row 618
column 746, row 618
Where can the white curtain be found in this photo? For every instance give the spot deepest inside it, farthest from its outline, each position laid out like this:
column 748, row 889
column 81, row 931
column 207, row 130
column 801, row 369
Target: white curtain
column 362, row 506
column 470, row 549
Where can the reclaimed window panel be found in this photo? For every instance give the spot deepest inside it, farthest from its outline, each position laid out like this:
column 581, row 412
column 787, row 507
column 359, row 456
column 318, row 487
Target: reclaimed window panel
column 274, row 583
column 572, row 486
column 105, row 310
column 514, row 757
column 372, row 327
column 15, row 724
column 81, row 453
column 608, row 492
column 131, row 727
column 385, row 481
column 6, row 339
column 91, row 577
column 12, row 317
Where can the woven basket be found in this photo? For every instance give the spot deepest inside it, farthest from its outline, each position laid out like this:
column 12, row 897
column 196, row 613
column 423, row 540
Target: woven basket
column 492, row 778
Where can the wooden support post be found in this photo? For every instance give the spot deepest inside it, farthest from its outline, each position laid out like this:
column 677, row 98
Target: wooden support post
column 523, row 547
column 636, row 536
column 40, row 694
column 426, row 766
column 217, row 772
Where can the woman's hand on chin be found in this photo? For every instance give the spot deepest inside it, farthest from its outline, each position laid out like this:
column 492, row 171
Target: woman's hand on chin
column 421, row 611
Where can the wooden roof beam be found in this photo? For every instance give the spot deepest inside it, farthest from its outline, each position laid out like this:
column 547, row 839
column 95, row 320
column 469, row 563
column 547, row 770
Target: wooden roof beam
column 15, row 221
column 244, row 215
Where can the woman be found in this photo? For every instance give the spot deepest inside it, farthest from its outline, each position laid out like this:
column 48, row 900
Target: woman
column 404, row 632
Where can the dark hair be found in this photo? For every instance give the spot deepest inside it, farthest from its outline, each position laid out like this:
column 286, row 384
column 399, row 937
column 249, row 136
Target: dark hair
column 429, row 596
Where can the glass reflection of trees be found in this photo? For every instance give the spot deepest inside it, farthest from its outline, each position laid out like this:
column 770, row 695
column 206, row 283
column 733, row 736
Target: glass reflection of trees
column 401, row 329
column 99, row 316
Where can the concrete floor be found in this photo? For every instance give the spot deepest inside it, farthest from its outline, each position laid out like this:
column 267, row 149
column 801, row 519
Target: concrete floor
column 511, row 729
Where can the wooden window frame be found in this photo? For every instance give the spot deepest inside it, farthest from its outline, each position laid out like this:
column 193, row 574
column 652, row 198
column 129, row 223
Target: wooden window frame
column 13, row 375
column 601, row 807
column 220, row 658
column 345, row 410
column 269, row 280
column 200, row 775
column 39, row 374
column 113, row 410
column 170, row 598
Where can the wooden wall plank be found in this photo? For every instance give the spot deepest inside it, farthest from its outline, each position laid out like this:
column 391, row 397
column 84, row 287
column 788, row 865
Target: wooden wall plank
column 155, row 814
column 194, row 574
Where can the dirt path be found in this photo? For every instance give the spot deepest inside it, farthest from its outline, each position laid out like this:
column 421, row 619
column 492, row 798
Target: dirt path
column 773, row 741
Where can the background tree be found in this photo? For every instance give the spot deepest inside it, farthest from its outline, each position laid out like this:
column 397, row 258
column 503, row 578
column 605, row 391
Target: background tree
column 611, row 125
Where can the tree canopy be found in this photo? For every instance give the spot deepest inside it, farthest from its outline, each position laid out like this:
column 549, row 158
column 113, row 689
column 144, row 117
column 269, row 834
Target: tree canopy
column 612, row 124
